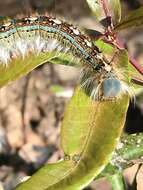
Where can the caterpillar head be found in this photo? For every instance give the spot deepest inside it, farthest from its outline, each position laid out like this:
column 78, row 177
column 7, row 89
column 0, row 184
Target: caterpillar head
column 103, row 84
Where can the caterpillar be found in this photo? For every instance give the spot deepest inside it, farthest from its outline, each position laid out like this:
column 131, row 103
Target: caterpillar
column 38, row 34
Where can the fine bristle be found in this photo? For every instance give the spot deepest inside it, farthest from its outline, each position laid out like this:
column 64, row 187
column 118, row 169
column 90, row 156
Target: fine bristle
column 103, row 85
column 38, row 34
column 42, row 34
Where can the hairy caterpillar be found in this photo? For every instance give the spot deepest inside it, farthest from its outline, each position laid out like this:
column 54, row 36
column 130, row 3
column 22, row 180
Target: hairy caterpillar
column 19, row 37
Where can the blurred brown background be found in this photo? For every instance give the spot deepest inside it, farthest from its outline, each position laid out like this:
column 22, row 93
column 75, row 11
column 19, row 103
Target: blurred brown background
column 25, row 145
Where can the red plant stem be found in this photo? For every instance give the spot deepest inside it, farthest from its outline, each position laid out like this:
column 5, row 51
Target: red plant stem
column 134, row 62
column 107, row 13
column 105, row 8
column 117, row 42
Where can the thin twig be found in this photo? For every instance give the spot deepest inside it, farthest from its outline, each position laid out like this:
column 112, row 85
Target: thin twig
column 105, row 8
column 23, row 107
column 134, row 62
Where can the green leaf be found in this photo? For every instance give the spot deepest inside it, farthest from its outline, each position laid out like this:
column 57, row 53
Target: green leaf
column 128, row 152
column 105, row 47
column 129, row 71
column 66, row 59
column 134, row 19
column 131, row 148
column 117, row 181
column 46, row 176
column 122, row 66
column 83, row 130
column 20, row 67
column 86, row 124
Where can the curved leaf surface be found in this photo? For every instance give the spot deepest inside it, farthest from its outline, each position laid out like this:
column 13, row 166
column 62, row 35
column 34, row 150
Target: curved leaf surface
column 105, row 47
column 86, row 124
column 20, row 67
column 134, row 19
column 89, row 134
column 46, row 176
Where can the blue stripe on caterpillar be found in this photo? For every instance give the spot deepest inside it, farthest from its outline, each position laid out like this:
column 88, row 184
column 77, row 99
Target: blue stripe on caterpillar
column 40, row 34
